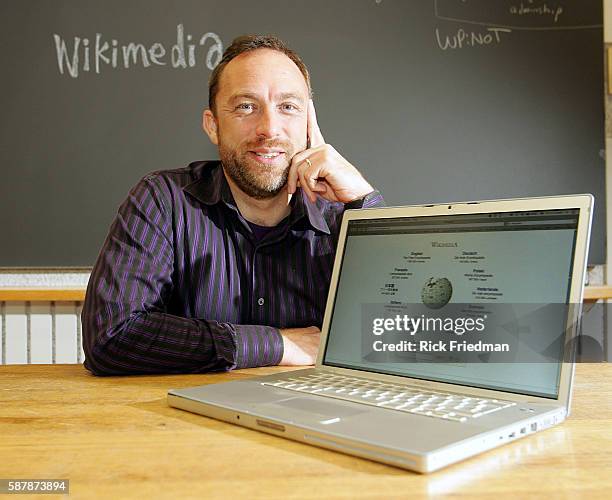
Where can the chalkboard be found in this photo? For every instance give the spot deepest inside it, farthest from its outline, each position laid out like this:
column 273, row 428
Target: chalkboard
column 433, row 101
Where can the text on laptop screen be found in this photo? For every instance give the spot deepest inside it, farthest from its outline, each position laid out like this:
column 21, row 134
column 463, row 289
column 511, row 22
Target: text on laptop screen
column 503, row 258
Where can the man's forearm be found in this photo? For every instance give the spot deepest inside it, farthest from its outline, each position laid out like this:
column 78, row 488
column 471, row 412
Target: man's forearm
column 157, row 342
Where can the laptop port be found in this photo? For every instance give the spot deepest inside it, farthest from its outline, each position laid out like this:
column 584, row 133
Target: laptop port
column 271, row 425
column 534, row 427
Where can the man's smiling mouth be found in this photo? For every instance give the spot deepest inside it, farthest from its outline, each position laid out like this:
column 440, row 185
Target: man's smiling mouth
column 267, row 155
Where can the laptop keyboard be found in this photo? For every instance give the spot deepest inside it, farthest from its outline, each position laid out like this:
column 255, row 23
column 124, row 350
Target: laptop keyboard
column 409, row 399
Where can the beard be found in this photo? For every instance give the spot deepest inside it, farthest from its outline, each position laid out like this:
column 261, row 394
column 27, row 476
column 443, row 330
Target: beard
column 257, row 180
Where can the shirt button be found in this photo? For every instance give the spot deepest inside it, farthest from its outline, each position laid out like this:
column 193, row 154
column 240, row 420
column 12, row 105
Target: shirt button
column 261, row 301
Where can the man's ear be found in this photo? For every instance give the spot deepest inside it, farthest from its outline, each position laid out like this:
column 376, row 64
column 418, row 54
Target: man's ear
column 209, row 124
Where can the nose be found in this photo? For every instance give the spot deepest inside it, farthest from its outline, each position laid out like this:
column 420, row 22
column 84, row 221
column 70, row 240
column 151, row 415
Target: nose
column 269, row 123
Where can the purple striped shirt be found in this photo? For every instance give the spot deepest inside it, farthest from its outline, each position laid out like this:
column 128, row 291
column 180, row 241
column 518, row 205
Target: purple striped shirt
column 182, row 285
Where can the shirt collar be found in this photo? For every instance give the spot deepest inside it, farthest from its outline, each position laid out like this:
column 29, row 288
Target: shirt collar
column 313, row 211
column 211, row 187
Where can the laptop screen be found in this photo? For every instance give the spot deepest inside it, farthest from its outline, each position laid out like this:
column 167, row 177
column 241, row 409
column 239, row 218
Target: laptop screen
column 475, row 260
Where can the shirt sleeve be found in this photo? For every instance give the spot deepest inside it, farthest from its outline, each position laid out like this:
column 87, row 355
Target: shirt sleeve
column 370, row 200
column 126, row 326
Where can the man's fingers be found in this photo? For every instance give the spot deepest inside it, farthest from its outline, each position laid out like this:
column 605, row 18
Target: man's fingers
column 296, row 161
column 320, row 187
column 307, row 153
column 314, row 132
column 305, row 185
column 292, row 177
column 311, row 174
column 324, row 189
column 307, row 172
column 300, row 162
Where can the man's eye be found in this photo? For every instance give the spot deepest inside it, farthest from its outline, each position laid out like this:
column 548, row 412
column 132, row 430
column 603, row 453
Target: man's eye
column 289, row 107
column 245, row 106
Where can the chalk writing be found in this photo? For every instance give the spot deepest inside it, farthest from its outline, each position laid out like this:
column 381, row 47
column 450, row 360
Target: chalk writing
column 92, row 56
column 468, row 38
column 533, row 8
column 538, row 15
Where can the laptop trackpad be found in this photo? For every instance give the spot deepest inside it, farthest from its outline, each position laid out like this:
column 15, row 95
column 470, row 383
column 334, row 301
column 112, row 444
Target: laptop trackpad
column 313, row 407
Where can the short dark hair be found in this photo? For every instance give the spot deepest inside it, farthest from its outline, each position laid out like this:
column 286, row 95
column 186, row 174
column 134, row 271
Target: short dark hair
column 247, row 43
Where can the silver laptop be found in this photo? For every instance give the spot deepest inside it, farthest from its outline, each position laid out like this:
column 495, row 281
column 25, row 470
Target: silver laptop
column 495, row 279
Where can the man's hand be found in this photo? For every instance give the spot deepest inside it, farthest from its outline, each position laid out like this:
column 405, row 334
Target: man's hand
column 300, row 346
column 322, row 171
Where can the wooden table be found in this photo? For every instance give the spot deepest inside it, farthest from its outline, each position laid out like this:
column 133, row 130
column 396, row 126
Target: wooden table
column 117, row 438
column 77, row 294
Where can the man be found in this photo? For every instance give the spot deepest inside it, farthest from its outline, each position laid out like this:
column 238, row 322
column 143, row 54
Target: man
column 223, row 265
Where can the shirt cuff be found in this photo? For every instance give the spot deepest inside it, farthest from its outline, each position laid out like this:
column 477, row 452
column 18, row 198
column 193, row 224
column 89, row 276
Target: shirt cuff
column 373, row 199
column 257, row 346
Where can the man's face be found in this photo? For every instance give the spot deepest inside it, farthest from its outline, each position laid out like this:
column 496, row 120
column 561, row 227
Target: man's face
column 261, row 120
